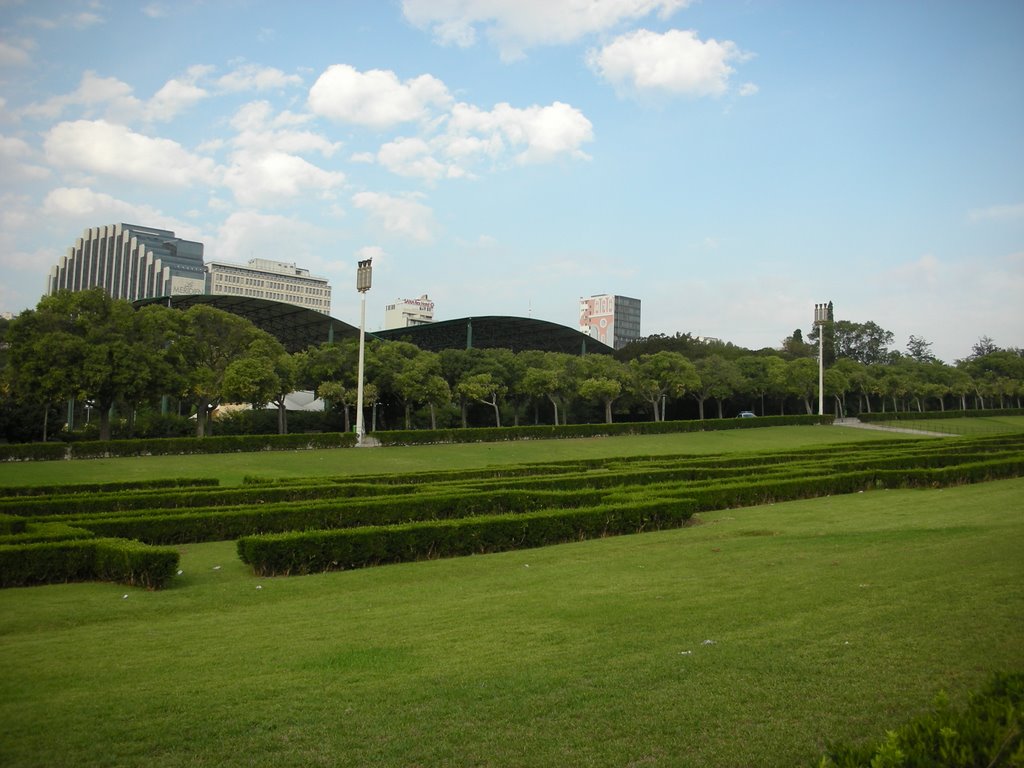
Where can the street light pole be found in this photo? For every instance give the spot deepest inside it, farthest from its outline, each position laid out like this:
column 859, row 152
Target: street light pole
column 364, row 275
column 820, row 321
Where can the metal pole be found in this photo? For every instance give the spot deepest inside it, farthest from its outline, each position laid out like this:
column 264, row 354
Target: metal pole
column 364, row 276
column 360, row 430
column 821, row 370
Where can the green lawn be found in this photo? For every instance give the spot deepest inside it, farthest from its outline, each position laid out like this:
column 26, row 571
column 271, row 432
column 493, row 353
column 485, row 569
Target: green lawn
column 831, row 618
column 231, row 468
column 985, row 425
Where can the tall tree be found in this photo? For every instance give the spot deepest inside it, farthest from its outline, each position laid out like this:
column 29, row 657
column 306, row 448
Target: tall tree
column 802, row 380
column 920, row 349
column 719, row 379
column 654, row 377
column 484, row 388
column 866, row 343
column 213, row 340
column 85, row 344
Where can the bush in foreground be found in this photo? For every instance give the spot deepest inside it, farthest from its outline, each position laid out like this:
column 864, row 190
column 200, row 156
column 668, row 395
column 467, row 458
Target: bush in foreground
column 989, row 732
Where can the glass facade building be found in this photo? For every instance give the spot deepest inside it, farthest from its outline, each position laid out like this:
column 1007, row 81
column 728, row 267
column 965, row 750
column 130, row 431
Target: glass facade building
column 612, row 320
column 130, row 262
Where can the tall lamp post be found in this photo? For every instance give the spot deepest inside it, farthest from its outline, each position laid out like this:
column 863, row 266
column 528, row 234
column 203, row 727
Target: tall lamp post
column 820, row 321
column 364, row 275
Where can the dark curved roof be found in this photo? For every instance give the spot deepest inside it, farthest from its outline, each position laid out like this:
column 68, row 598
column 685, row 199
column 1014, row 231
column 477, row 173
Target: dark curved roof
column 295, row 327
column 515, row 333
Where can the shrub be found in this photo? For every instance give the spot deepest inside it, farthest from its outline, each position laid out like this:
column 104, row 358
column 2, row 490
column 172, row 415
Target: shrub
column 311, row 551
column 108, row 487
column 46, row 532
column 49, row 562
column 162, row 527
column 989, row 731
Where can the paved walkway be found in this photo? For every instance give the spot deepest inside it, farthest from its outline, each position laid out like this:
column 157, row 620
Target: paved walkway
column 855, row 422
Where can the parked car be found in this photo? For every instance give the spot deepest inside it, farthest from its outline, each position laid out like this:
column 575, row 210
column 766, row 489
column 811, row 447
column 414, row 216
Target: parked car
column 746, row 415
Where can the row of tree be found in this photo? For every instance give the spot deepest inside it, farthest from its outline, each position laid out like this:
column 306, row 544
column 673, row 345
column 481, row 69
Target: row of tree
column 86, row 346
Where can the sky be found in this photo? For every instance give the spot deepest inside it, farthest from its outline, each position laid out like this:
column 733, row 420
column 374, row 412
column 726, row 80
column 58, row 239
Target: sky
column 730, row 163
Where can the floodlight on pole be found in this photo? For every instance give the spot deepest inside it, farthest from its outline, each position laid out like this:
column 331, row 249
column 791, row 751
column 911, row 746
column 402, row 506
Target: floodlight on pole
column 364, row 276
column 820, row 321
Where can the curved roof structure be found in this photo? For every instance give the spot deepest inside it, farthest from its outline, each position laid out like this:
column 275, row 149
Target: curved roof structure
column 295, row 327
column 515, row 333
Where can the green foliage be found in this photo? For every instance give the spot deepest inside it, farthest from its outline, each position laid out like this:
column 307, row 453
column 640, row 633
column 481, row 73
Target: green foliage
column 54, row 562
column 986, row 733
column 876, row 418
column 177, row 446
column 35, row 532
column 109, row 487
column 312, row 551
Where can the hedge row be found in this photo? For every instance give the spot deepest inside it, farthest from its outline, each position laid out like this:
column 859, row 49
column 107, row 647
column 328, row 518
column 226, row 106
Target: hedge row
column 10, row 524
column 35, row 532
column 918, row 415
column 549, row 432
column 54, row 562
column 303, row 552
column 170, row 446
column 108, row 487
column 312, row 551
column 230, row 523
column 119, row 502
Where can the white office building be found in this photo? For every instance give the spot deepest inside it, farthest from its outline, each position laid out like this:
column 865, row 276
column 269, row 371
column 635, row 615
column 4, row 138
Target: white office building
column 273, row 280
column 408, row 312
column 612, row 320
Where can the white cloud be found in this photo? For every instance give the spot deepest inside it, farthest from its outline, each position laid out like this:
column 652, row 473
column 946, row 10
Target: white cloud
column 108, row 96
column 263, row 177
column 174, row 97
column 412, row 157
column 998, row 213
column 247, row 234
column 517, row 24
column 676, row 62
column 155, row 10
column 543, row 133
column 258, row 128
column 398, row 215
column 16, row 155
column 748, row 89
column 250, row 77
column 376, row 98
column 80, row 20
column 84, row 203
column 15, row 53
column 100, row 147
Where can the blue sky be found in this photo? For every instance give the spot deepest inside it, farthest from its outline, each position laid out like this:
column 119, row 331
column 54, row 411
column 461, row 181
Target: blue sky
column 728, row 163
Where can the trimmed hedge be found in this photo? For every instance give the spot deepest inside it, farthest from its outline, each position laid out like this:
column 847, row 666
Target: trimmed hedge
column 549, row 432
column 871, row 418
column 35, row 532
column 230, row 523
column 54, row 562
column 170, row 446
column 10, row 524
column 82, row 504
column 313, row 551
column 108, row 487
column 238, row 443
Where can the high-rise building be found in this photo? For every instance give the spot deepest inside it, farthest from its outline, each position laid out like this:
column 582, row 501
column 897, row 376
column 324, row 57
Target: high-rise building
column 408, row 312
column 266, row 279
column 612, row 320
column 130, row 262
